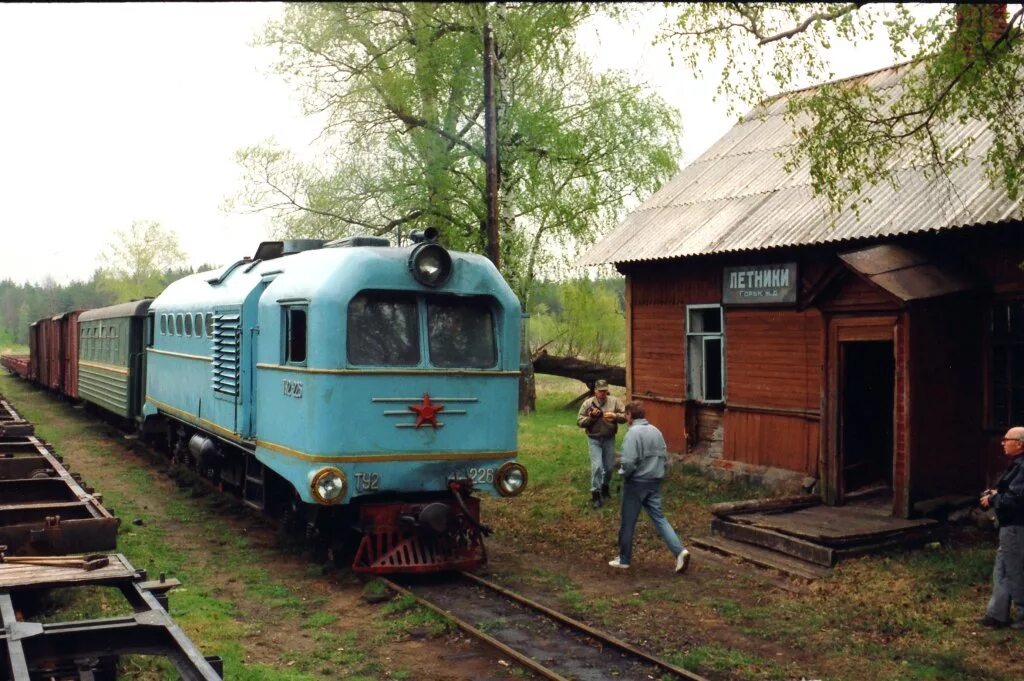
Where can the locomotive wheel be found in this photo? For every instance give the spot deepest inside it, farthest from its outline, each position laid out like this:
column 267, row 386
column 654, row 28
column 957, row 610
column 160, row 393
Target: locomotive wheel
column 293, row 530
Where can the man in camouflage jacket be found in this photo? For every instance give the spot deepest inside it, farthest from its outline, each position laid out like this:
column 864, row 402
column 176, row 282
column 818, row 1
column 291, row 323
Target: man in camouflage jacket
column 600, row 416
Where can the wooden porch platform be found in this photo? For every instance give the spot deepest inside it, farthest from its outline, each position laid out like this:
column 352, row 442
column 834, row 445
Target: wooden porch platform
column 815, row 534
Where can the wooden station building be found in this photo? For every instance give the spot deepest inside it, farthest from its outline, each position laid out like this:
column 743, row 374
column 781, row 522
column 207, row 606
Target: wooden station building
column 769, row 336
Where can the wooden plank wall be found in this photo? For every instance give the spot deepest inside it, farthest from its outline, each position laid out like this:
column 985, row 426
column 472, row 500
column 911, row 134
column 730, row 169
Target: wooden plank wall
column 659, row 294
column 773, row 387
column 946, row 408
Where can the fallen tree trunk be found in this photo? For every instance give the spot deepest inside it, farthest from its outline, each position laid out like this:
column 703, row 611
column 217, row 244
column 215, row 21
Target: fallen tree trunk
column 581, row 370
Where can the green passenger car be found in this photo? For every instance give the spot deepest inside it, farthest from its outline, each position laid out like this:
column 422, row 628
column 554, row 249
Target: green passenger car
column 111, row 357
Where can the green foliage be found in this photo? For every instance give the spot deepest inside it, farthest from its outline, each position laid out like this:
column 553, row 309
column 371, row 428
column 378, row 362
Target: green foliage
column 22, row 304
column 402, row 86
column 579, row 318
column 968, row 64
column 137, row 260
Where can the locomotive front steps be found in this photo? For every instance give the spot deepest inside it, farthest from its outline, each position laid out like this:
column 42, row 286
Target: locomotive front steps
column 804, row 538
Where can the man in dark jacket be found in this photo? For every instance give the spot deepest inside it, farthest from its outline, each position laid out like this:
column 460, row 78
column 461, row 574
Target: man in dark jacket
column 1007, row 498
column 600, row 416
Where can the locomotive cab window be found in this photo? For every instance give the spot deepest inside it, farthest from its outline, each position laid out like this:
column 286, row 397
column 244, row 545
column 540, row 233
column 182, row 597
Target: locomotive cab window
column 383, row 330
column 460, row 333
column 295, row 335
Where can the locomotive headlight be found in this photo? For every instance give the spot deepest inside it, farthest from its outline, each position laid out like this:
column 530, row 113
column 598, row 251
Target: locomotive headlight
column 510, row 479
column 430, row 264
column 329, row 486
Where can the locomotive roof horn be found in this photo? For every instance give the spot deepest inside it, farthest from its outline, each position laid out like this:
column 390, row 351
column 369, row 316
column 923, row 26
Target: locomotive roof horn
column 420, row 235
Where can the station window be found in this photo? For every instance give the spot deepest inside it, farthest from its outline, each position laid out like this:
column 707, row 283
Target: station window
column 1006, row 387
column 209, row 324
column 295, row 335
column 179, row 326
column 163, row 325
column 383, row 330
column 199, row 324
column 188, row 325
column 705, row 353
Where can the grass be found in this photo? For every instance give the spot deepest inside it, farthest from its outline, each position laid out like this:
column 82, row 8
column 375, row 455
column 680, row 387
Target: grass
column 891, row 617
column 906, row 615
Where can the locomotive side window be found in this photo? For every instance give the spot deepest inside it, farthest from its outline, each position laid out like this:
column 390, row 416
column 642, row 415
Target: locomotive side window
column 188, row 325
column 199, row 324
column 163, row 325
column 209, row 324
column 460, row 333
column 295, row 335
column 179, row 326
column 383, row 330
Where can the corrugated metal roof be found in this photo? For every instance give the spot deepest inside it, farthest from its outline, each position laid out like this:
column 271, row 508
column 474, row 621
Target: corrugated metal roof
column 737, row 197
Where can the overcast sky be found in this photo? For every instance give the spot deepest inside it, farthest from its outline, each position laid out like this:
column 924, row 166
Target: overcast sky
column 113, row 113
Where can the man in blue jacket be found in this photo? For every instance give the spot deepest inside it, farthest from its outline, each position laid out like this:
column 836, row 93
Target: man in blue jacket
column 1007, row 498
column 644, row 460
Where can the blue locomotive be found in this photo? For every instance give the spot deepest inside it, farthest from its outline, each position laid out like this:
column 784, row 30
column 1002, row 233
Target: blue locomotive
column 362, row 391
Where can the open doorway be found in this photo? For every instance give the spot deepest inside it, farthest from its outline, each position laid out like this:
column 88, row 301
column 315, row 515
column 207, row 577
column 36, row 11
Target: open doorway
column 866, row 414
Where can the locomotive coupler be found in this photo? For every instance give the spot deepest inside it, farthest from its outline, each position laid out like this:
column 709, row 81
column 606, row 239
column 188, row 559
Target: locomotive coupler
column 461, row 488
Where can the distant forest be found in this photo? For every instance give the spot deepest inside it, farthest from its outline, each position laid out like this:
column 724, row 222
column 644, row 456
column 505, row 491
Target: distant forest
column 22, row 304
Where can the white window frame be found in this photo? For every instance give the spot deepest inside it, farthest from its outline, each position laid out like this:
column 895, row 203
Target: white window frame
column 697, row 389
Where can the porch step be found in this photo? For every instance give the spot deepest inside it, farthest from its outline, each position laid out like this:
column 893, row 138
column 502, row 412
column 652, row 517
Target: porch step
column 800, row 549
column 762, row 557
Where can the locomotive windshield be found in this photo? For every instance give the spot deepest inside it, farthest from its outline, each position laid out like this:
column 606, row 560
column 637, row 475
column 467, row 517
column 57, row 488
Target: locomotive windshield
column 384, row 330
column 461, row 334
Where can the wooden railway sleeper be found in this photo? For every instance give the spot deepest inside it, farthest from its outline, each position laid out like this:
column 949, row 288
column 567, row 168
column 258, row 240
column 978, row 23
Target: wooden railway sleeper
column 92, row 561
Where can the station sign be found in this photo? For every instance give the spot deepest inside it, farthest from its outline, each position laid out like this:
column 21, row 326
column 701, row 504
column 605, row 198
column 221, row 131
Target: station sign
column 760, row 284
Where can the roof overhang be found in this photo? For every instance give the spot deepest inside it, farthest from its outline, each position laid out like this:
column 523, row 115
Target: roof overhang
column 905, row 274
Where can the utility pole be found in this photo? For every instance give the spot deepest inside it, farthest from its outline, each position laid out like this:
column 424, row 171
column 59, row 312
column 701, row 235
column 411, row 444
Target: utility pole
column 491, row 150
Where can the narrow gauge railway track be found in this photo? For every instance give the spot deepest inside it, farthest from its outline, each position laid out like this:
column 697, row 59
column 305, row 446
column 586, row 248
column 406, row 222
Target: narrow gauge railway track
column 47, row 517
column 550, row 644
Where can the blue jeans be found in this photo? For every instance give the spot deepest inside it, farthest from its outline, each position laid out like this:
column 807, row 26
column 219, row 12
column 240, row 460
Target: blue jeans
column 602, row 459
column 1008, row 575
column 646, row 495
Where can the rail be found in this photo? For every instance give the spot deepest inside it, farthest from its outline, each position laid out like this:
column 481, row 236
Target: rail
column 545, row 670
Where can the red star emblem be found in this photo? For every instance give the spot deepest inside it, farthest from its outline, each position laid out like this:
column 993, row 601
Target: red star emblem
column 426, row 412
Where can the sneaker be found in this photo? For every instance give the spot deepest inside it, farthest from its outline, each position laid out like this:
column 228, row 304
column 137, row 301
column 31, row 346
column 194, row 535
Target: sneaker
column 682, row 561
column 992, row 622
column 616, row 563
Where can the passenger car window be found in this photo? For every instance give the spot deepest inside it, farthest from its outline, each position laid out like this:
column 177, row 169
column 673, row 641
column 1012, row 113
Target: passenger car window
column 188, row 325
column 163, row 324
column 180, row 325
column 460, row 333
column 383, row 330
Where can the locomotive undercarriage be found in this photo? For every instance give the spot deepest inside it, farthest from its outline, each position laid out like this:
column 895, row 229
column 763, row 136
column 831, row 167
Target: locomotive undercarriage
column 383, row 534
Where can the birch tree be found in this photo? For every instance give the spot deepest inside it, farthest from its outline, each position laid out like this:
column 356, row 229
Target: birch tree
column 401, row 87
column 968, row 64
